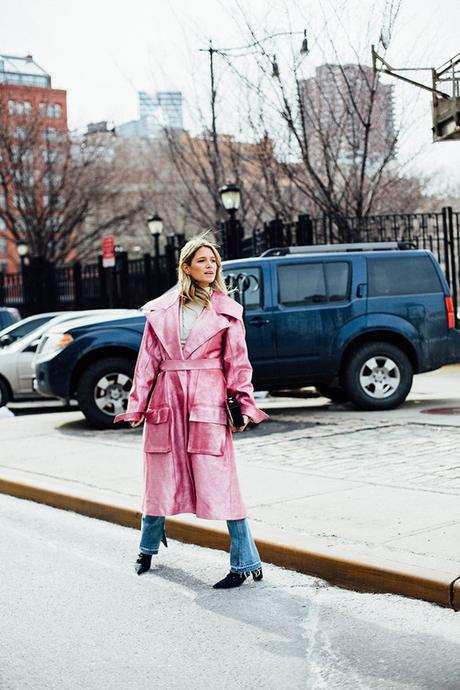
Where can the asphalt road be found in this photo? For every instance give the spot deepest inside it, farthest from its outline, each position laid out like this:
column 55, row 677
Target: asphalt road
column 74, row 615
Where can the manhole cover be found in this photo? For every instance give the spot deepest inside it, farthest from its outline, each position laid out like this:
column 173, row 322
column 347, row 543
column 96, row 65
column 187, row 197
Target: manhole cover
column 442, row 410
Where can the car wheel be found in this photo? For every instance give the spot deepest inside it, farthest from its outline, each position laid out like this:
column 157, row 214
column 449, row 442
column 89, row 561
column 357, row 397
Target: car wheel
column 4, row 394
column 103, row 390
column 378, row 376
column 334, row 393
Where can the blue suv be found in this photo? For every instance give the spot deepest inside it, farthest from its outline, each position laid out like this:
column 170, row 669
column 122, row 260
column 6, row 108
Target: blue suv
column 355, row 321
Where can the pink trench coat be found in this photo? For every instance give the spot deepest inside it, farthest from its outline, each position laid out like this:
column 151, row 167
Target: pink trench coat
column 189, row 462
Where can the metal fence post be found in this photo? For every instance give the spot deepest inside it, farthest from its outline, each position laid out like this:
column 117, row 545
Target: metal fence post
column 445, row 233
column 148, row 277
column 453, row 262
column 77, row 285
column 275, row 233
column 304, row 230
column 123, row 296
column 106, row 283
column 170, row 260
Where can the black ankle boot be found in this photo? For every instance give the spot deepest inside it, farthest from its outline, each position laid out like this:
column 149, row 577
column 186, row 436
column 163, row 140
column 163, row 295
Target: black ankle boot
column 143, row 563
column 237, row 579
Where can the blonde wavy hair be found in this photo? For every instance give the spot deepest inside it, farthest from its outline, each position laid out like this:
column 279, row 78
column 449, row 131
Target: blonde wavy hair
column 189, row 290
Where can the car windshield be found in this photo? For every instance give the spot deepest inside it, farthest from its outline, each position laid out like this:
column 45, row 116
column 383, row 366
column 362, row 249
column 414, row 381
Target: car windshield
column 23, row 328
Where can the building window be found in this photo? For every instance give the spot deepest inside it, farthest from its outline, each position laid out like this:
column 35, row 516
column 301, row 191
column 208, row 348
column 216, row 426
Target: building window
column 27, row 108
column 57, row 111
column 27, row 156
column 42, row 109
column 3, row 266
column 2, row 200
column 2, row 245
column 19, row 108
column 11, row 107
column 50, row 134
column 2, row 224
column 19, row 133
column 51, row 156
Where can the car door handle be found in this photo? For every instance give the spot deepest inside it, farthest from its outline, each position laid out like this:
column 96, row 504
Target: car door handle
column 259, row 321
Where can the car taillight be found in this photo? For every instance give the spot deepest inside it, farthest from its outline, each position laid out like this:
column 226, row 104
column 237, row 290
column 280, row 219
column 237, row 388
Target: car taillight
column 450, row 312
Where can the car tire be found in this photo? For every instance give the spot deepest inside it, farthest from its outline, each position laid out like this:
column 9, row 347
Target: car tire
column 333, row 393
column 4, row 394
column 103, row 389
column 377, row 376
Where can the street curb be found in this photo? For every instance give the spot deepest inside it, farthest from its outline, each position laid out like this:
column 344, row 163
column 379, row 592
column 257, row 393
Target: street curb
column 366, row 576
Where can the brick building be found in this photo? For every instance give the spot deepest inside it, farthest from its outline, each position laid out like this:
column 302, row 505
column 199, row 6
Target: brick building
column 28, row 104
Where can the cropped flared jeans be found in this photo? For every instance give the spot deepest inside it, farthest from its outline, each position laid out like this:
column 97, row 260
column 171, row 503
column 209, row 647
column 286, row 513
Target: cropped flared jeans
column 244, row 556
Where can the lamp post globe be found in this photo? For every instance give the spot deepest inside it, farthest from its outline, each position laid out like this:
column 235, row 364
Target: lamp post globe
column 230, row 196
column 155, row 225
column 22, row 248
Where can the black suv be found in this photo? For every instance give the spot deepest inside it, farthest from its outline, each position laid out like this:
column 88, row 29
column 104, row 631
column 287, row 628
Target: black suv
column 356, row 321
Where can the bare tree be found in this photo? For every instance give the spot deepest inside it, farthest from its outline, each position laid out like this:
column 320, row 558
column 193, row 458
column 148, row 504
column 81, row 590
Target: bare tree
column 333, row 140
column 51, row 184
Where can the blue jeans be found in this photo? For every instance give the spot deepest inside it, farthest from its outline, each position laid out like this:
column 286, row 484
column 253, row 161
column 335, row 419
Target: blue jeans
column 244, row 556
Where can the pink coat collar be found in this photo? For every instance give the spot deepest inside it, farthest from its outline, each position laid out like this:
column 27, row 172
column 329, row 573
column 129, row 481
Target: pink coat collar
column 223, row 304
column 163, row 315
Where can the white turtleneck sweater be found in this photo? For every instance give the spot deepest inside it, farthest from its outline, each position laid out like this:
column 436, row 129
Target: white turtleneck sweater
column 188, row 315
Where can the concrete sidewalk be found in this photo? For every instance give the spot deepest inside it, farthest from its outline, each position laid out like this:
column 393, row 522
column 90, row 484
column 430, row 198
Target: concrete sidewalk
column 365, row 500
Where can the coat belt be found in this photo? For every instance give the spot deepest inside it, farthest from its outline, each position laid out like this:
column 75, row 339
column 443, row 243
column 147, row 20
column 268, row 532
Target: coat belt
column 190, row 364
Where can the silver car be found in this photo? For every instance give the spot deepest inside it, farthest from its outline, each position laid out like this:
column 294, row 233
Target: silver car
column 16, row 359
column 25, row 326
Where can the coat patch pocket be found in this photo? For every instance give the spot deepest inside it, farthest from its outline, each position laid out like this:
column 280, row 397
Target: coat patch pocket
column 207, row 430
column 156, row 430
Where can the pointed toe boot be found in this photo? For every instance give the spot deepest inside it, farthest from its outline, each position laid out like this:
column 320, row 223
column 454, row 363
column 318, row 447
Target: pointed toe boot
column 143, row 563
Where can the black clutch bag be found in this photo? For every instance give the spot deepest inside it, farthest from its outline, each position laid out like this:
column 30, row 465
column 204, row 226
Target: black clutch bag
column 235, row 416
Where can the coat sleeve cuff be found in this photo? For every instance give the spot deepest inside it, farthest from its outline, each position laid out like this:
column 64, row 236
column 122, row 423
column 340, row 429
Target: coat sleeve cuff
column 254, row 413
column 128, row 417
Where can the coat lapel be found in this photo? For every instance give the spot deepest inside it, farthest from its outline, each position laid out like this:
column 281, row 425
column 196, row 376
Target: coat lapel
column 205, row 327
column 163, row 315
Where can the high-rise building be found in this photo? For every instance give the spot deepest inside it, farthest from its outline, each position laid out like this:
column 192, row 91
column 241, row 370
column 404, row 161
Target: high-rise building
column 156, row 111
column 28, row 103
column 336, row 102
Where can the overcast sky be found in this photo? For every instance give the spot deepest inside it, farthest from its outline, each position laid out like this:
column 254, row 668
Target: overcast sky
column 102, row 52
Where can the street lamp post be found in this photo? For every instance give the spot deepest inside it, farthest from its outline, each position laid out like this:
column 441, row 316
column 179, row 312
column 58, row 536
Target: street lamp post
column 215, row 158
column 230, row 196
column 155, row 226
column 22, row 248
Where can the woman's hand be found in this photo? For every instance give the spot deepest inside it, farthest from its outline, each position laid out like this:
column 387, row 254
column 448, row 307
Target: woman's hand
column 135, row 424
column 241, row 428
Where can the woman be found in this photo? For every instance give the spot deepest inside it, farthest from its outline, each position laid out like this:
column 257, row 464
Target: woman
column 193, row 353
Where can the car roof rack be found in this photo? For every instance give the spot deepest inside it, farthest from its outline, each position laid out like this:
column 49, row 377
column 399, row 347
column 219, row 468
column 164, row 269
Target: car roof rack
column 351, row 247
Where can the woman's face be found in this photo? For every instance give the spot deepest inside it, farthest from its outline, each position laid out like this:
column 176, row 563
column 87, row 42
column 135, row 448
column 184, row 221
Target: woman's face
column 203, row 268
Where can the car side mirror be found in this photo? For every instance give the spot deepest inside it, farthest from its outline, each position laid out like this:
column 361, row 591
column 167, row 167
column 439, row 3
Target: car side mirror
column 6, row 340
column 32, row 347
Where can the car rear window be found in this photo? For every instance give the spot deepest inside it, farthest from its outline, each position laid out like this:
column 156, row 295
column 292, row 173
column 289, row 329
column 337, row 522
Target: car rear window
column 313, row 282
column 409, row 275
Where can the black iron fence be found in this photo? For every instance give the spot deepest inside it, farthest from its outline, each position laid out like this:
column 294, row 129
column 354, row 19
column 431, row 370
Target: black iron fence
column 41, row 287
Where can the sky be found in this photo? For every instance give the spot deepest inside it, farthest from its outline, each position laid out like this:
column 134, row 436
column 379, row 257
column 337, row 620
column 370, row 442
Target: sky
column 103, row 52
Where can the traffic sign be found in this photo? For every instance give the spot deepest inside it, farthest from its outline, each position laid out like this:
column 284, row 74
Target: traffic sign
column 108, row 251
